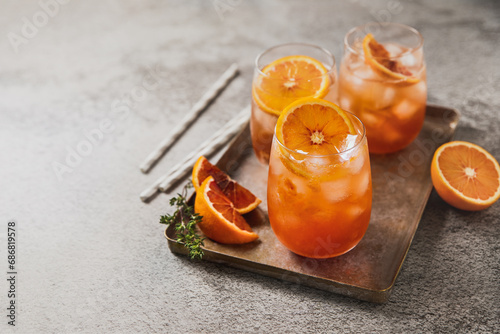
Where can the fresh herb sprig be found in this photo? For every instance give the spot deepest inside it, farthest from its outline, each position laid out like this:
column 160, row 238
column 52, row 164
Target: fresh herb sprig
column 185, row 219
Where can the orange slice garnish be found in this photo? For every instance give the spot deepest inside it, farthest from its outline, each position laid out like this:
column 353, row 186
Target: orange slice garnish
column 242, row 198
column 380, row 60
column 221, row 222
column 314, row 127
column 288, row 79
column 466, row 176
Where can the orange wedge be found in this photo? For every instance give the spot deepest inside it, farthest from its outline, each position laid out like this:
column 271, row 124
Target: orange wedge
column 466, row 176
column 288, row 79
column 221, row 222
column 203, row 169
column 242, row 198
column 380, row 60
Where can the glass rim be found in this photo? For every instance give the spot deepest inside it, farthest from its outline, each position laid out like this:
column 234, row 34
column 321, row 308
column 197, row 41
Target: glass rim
column 313, row 46
column 362, row 28
column 351, row 149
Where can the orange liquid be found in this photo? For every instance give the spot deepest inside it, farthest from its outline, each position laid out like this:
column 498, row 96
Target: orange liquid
column 262, row 123
column 392, row 111
column 324, row 214
column 262, row 129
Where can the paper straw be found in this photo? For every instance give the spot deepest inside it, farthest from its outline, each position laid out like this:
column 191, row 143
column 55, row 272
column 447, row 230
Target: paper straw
column 206, row 148
column 193, row 114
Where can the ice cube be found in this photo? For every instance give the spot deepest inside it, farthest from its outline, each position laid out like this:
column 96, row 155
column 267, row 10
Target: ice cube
column 317, row 166
column 313, row 161
column 352, row 84
column 382, row 96
column 413, row 60
column 372, row 120
column 405, row 110
column 347, row 103
column 356, row 163
column 408, row 60
column 301, row 185
column 360, row 184
column 335, row 191
column 394, row 49
column 366, row 72
column 349, row 143
column 353, row 211
column 354, row 62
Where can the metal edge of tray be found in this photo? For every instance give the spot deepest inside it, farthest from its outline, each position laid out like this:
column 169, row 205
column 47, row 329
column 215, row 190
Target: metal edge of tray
column 376, row 296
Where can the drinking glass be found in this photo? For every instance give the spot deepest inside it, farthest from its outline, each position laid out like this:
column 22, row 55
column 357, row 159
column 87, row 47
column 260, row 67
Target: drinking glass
column 266, row 105
column 390, row 99
column 319, row 205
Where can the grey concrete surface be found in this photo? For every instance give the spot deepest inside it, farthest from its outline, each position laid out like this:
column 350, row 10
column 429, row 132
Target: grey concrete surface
column 91, row 257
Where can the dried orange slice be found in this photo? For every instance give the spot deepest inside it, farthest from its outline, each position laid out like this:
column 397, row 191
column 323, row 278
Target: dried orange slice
column 221, row 222
column 466, row 176
column 314, row 126
column 288, row 79
column 242, row 198
column 380, row 60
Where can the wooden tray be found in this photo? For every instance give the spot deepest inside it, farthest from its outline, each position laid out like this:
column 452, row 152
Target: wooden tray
column 401, row 188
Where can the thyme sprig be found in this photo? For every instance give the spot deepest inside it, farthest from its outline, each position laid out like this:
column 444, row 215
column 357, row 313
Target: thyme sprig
column 185, row 219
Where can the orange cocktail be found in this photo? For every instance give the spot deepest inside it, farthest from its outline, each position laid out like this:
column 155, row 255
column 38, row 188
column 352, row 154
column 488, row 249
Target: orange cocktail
column 382, row 80
column 283, row 74
column 319, row 187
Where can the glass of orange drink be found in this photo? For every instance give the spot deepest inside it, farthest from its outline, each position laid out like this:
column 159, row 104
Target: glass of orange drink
column 382, row 80
column 319, row 186
column 283, row 74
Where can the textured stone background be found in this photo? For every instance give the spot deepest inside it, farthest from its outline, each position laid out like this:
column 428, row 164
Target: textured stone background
column 92, row 257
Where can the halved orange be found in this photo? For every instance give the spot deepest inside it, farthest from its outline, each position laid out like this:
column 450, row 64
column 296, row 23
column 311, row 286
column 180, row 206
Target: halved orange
column 380, row 60
column 242, row 198
column 288, row 79
column 465, row 175
column 221, row 221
